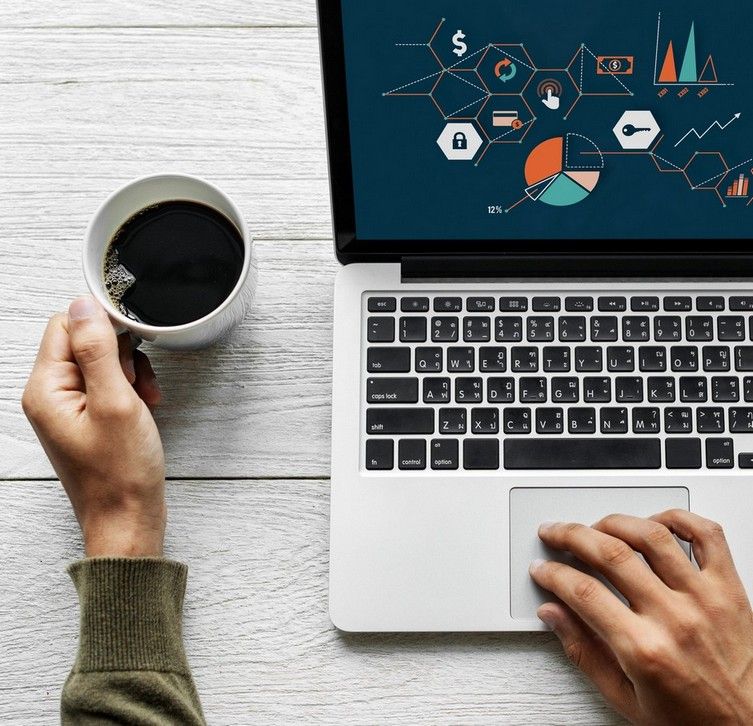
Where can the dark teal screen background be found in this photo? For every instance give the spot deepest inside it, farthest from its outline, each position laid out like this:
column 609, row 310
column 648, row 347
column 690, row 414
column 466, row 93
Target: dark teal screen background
column 405, row 188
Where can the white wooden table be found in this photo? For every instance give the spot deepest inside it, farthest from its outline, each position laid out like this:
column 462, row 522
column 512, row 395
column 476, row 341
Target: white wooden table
column 94, row 92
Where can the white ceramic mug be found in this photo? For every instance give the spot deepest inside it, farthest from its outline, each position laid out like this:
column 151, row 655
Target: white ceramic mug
column 138, row 195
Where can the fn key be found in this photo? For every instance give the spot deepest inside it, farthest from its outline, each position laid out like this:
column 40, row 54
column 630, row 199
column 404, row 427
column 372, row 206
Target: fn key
column 480, row 454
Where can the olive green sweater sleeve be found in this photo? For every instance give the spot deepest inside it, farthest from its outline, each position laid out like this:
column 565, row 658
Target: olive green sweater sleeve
column 131, row 667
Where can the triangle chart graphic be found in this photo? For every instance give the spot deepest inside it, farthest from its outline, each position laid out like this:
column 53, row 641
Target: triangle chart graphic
column 710, row 67
column 669, row 69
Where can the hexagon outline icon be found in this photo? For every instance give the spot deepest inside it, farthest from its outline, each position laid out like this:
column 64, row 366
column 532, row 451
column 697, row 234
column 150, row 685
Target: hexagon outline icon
column 451, row 132
column 641, row 139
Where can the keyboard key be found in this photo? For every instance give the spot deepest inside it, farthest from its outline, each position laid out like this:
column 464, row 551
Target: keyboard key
column 477, row 330
column 720, row 453
column 481, row 454
column 684, row 358
column 411, row 454
column 620, row 359
column 581, row 420
column 428, row 360
column 725, row 389
column 445, row 454
column 461, row 360
column 532, row 390
column 452, row 421
column 597, row 390
column 588, row 360
column 513, row 304
column 385, row 421
column 572, row 329
column 748, row 389
column 661, row 389
column 392, row 390
column 745, row 461
column 484, row 421
column 652, row 359
column 556, row 359
column 500, row 390
column 382, row 305
column 414, row 305
column 667, row 328
column 380, row 455
column 683, row 453
column 646, row 421
column 565, row 390
column 540, row 329
column 636, row 329
column 509, row 329
column 678, row 420
column 741, row 304
column 614, row 420
column 517, row 420
column 710, row 420
column 412, row 330
column 436, row 390
column 645, row 304
column 741, row 420
column 743, row 358
column 381, row 330
column 571, row 453
column 524, row 360
column 731, row 327
column 628, row 390
column 579, row 304
column 550, row 421
column 604, row 329
column 678, row 304
column 716, row 358
column 699, row 327
column 480, row 305
column 388, row 360
column 448, row 304
column 469, row 390
column 710, row 304
column 492, row 360
column 612, row 304
column 693, row 389
column 546, row 304
column 444, row 330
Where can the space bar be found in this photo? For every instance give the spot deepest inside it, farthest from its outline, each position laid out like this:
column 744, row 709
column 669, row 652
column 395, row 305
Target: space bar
column 540, row 454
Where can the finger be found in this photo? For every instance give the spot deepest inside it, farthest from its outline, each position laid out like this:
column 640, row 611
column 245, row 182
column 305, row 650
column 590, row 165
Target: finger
column 710, row 547
column 591, row 655
column 146, row 384
column 55, row 346
column 95, row 348
column 125, row 351
column 656, row 543
column 599, row 608
column 610, row 556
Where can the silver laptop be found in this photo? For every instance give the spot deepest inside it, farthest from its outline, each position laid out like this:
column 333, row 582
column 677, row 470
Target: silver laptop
column 545, row 307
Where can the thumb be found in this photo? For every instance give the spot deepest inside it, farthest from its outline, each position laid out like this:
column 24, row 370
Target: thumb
column 95, row 348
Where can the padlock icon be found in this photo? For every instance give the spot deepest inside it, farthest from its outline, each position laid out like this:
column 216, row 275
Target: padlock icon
column 460, row 142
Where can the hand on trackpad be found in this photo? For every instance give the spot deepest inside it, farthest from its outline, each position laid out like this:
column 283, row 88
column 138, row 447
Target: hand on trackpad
column 529, row 508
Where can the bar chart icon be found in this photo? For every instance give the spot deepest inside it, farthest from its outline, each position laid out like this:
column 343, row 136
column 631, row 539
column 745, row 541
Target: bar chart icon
column 739, row 188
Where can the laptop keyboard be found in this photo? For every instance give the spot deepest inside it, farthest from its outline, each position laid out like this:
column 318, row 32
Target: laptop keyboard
column 487, row 382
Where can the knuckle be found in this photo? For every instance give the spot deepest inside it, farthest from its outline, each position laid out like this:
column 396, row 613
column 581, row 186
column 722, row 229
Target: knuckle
column 658, row 534
column 30, row 402
column 574, row 652
column 117, row 407
column 616, row 552
column 608, row 521
column 90, row 350
column 653, row 655
column 713, row 530
column 586, row 590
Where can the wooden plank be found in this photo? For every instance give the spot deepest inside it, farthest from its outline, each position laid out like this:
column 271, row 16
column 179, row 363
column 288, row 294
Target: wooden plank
column 256, row 625
column 157, row 12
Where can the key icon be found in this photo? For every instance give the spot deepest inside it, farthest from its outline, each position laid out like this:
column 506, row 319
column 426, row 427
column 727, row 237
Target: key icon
column 631, row 130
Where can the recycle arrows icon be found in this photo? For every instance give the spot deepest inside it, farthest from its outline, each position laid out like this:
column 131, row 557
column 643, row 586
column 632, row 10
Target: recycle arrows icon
column 512, row 69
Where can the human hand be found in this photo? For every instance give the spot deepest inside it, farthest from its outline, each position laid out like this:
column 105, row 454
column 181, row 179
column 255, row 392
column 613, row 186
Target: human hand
column 682, row 653
column 89, row 398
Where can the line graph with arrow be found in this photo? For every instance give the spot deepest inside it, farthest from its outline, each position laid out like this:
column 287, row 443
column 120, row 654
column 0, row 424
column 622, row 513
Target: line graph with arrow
column 715, row 125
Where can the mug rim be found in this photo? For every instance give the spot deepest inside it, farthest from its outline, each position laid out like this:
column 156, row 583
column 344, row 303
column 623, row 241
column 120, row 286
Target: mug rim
column 155, row 330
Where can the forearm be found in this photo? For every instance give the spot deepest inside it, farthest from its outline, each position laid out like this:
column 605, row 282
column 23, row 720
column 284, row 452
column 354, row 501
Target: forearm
column 131, row 667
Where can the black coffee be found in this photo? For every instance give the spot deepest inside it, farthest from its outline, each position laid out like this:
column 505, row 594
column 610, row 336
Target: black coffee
column 173, row 263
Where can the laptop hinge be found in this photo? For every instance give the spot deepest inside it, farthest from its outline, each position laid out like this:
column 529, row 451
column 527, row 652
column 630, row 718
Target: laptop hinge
column 578, row 266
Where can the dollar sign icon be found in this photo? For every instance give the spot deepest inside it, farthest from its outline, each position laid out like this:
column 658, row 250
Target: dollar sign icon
column 460, row 47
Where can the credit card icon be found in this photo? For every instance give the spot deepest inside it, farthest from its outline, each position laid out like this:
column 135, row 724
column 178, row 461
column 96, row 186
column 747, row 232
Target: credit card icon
column 506, row 119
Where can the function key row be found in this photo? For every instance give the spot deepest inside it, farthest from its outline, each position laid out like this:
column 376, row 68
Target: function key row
column 552, row 304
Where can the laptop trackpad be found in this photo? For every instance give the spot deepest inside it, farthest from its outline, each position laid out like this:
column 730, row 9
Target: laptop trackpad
column 530, row 507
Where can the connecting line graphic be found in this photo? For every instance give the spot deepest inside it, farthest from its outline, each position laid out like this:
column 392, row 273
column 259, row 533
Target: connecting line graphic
column 716, row 124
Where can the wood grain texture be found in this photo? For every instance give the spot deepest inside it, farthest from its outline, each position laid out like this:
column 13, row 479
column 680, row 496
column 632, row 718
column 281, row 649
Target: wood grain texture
column 256, row 626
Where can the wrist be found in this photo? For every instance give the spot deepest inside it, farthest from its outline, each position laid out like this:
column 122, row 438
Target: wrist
column 125, row 534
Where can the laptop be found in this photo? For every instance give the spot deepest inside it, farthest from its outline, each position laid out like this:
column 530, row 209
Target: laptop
column 545, row 306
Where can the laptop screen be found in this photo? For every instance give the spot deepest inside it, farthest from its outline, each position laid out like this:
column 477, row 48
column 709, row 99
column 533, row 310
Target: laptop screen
column 577, row 120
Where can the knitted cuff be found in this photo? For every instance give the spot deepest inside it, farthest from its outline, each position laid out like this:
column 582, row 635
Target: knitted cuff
column 130, row 614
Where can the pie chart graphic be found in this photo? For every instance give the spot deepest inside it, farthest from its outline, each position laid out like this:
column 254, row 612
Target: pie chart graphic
column 563, row 171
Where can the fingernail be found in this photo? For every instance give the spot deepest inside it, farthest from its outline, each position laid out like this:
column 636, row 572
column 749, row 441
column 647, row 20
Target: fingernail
column 83, row 308
column 548, row 618
column 545, row 526
column 535, row 565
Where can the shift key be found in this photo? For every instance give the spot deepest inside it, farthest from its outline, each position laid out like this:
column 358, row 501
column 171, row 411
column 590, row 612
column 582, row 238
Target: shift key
column 386, row 421
column 388, row 360
column 392, row 390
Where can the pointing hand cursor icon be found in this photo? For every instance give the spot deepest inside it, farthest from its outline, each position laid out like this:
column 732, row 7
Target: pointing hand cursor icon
column 551, row 101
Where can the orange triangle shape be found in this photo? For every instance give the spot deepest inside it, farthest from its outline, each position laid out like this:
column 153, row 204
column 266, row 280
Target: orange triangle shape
column 709, row 66
column 669, row 69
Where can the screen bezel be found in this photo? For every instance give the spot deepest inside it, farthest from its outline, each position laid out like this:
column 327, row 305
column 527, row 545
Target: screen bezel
column 730, row 256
